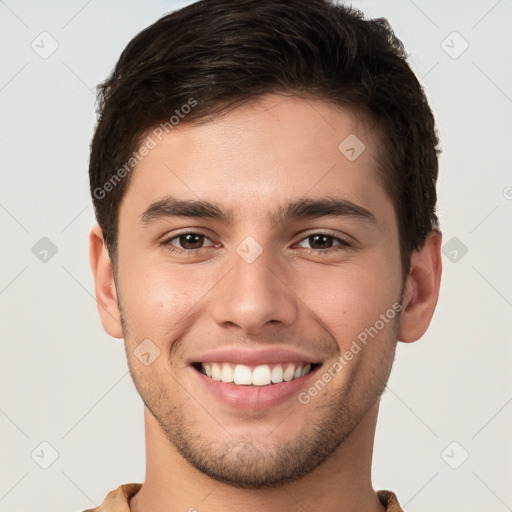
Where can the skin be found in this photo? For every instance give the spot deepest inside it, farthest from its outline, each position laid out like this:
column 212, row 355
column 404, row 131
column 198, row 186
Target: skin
column 292, row 457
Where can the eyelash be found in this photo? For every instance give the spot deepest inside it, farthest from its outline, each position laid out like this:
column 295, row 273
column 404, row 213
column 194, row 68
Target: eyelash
column 343, row 244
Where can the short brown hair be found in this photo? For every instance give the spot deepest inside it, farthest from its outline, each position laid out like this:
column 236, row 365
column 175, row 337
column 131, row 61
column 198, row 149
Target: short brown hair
column 222, row 53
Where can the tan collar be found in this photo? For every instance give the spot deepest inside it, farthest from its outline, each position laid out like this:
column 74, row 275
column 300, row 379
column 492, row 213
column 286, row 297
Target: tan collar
column 118, row 500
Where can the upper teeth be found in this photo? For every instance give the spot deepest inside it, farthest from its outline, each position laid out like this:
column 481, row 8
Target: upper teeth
column 261, row 375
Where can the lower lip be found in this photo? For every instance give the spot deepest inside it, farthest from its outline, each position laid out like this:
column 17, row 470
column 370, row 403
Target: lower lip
column 254, row 398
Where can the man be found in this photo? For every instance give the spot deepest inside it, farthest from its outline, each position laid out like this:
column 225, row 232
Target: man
column 263, row 174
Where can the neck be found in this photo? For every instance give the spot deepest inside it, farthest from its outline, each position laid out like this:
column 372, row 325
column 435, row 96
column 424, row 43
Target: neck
column 341, row 483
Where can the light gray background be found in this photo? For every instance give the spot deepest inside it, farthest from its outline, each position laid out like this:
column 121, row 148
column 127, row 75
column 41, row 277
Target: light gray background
column 66, row 382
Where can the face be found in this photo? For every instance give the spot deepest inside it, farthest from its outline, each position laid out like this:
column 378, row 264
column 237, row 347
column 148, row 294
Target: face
column 253, row 249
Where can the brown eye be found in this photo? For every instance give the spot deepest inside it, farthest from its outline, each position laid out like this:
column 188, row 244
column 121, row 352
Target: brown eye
column 321, row 241
column 188, row 242
column 324, row 242
column 191, row 240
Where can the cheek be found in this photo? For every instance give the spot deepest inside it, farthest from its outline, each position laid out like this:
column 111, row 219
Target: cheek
column 350, row 299
column 160, row 297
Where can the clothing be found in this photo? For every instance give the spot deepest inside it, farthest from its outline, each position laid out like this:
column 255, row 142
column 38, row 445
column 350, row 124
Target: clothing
column 118, row 500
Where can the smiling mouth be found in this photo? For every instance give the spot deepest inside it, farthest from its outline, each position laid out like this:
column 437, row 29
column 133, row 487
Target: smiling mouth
column 261, row 375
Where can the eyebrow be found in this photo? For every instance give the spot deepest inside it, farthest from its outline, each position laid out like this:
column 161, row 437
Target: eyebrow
column 302, row 208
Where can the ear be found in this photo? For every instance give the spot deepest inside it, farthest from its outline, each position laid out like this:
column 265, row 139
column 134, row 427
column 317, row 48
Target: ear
column 421, row 289
column 105, row 287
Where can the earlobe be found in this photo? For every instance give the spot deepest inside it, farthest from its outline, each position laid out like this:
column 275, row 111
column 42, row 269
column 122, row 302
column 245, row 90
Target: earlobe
column 421, row 290
column 105, row 287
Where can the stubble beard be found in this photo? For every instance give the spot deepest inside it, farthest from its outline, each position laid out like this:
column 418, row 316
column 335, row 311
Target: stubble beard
column 246, row 464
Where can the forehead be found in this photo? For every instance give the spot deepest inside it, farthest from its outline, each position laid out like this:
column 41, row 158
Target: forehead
column 258, row 156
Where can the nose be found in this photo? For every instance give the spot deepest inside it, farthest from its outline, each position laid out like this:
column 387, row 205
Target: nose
column 254, row 294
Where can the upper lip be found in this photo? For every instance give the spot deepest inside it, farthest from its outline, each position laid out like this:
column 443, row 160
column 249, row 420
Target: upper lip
column 255, row 356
